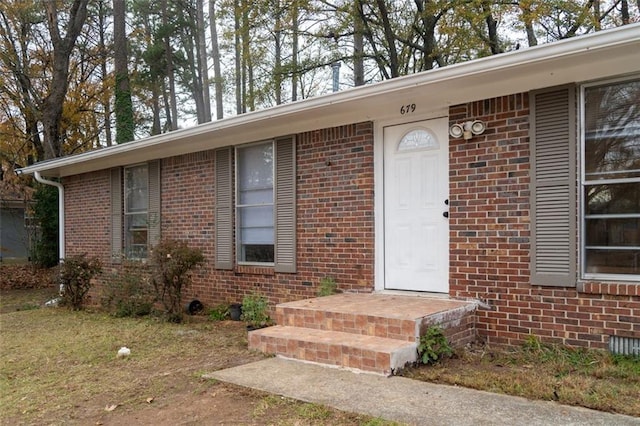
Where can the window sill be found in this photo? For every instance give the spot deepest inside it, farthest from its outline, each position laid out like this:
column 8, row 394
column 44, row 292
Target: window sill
column 254, row 270
column 614, row 289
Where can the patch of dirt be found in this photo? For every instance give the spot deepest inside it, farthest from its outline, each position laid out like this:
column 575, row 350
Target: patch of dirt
column 219, row 404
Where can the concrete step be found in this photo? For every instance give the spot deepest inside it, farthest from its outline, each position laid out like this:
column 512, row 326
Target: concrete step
column 336, row 348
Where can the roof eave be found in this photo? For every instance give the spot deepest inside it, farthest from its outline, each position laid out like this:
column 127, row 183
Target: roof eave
column 541, row 66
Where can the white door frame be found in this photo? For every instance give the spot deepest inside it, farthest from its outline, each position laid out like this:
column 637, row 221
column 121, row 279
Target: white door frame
column 378, row 148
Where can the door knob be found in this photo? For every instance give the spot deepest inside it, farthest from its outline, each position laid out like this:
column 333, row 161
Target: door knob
column 445, row 214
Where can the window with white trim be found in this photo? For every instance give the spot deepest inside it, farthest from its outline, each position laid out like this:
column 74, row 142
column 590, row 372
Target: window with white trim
column 136, row 206
column 255, row 196
column 611, row 180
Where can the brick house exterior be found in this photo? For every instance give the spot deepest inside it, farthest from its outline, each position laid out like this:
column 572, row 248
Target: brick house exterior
column 497, row 252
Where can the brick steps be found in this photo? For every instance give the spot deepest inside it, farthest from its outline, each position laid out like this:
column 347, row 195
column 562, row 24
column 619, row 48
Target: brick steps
column 358, row 352
column 376, row 333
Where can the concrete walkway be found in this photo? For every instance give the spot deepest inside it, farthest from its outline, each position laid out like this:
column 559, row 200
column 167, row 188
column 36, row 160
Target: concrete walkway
column 405, row 400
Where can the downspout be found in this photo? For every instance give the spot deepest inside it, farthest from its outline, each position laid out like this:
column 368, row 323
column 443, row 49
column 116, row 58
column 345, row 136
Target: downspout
column 58, row 185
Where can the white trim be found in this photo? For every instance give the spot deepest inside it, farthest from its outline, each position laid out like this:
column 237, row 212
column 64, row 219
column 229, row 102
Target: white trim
column 237, row 206
column 378, row 182
column 583, row 182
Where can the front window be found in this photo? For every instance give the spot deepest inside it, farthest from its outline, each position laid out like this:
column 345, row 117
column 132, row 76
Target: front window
column 611, row 180
column 136, row 206
column 255, row 203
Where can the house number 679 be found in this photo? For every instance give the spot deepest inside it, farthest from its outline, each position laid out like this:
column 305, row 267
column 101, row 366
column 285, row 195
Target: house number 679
column 407, row 109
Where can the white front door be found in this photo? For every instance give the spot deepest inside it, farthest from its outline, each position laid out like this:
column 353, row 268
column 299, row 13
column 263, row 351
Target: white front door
column 416, row 192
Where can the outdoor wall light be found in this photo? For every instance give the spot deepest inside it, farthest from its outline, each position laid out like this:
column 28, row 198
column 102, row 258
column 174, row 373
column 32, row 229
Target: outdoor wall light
column 467, row 129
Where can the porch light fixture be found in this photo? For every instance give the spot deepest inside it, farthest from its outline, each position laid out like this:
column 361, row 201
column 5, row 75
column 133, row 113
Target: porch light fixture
column 467, row 129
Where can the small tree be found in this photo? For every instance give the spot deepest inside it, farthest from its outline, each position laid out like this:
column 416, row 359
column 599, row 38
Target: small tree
column 76, row 273
column 171, row 262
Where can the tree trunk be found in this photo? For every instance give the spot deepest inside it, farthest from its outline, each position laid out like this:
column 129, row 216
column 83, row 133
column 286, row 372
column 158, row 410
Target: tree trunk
column 277, row 51
column 295, row 8
column 104, row 58
column 123, row 103
column 624, row 12
column 394, row 64
column 527, row 19
column 428, row 34
column 238, row 56
column 195, row 84
column 52, row 104
column 172, row 119
column 247, row 61
column 492, row 29
column 358, row 47
column 202, row 61
column 156, row 127
column 215, row 51
column 377, row 55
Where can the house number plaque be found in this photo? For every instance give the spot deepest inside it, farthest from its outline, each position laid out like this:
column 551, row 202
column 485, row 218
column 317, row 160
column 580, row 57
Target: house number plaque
column 407, row 109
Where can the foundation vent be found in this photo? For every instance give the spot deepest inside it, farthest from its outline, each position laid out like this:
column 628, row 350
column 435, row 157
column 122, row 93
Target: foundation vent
column 624, row 345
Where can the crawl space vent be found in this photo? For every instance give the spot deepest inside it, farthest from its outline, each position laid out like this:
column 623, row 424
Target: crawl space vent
column 624, row 345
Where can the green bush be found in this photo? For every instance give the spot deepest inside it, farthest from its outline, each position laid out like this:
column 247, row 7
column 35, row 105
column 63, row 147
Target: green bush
column 76, row 273
column 44, row 252
column 328, row 286
column 219, row 312
column 254, row 310
column 128, row 293
column 434, row 346
column 171, row 263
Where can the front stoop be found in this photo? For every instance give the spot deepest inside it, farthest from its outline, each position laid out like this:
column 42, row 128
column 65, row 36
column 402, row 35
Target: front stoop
column 376, row 333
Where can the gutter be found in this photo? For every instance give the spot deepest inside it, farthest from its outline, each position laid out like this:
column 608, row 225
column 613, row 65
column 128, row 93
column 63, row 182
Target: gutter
column 58, row 185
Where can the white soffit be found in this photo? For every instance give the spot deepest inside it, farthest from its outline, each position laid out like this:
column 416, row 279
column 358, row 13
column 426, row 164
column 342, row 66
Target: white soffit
column 590, row 57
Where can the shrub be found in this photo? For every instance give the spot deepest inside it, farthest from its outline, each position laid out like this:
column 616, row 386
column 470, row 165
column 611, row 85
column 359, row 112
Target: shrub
column 76, row 273
column 45, row 213
column 328, row 286
column 254, row 310
column 433, row 346
column 128, row 293
column 171, row 262
column 219, row 312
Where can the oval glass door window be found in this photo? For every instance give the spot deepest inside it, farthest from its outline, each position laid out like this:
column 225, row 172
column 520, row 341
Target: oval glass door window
column 418, row 139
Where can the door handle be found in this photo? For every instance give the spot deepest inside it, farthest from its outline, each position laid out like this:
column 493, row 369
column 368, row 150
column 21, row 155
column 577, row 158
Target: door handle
column 445, row 214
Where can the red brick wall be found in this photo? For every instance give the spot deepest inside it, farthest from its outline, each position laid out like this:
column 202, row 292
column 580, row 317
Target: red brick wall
column 335, row 220
column 88, row 215
column 489, row 219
